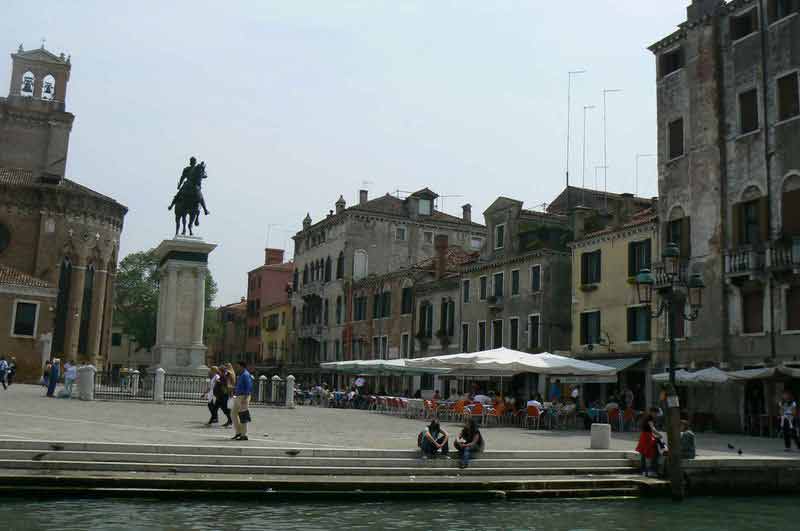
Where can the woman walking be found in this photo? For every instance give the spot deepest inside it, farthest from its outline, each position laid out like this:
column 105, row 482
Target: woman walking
column 227, row 384
column 648, row 447
column 213, row 405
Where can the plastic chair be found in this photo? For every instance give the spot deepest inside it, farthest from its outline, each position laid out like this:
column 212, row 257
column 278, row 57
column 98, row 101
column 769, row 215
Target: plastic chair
column 615, row 418
column 495, row 413
column 476, row 410
column 533, row 416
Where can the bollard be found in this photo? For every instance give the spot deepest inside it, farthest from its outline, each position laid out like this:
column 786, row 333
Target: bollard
column 262, row 388
column 276, row 381
column 134, row 383
column 290, row 391
column 158, row 385
column 601, row 437
column 86, row 382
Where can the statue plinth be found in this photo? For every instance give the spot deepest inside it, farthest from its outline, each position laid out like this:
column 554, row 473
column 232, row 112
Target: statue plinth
column 183, row 264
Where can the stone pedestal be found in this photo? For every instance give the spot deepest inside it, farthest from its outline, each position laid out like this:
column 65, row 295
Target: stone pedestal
column 179, row 347
column 601, row 436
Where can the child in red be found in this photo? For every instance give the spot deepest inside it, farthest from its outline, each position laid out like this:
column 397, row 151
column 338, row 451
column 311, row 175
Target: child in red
column 648, row 446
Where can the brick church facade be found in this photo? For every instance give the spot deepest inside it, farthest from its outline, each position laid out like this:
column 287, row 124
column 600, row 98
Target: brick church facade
column 59, row 240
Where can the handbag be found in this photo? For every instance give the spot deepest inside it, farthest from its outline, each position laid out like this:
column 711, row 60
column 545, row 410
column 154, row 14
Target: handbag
column 244, row 416
column 230, row 403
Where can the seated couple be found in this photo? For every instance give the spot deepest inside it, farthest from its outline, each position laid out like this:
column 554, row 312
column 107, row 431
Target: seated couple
column 435, row 439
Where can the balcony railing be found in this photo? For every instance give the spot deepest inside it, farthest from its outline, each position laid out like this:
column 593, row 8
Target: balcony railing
column 785, row 254
column 744, row 260
column 312, row 331
column 663, row 279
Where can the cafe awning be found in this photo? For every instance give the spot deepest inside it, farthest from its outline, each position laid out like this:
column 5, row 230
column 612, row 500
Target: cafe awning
column 711, row 375
column 377, row 367
column 619, row 364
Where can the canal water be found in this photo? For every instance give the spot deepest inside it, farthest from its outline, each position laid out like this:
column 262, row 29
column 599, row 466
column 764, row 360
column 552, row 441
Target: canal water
column 696, row 514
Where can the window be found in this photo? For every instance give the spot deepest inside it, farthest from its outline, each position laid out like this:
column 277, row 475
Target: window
column 405, row 345
column 778, row 9
column 305, row 274
column 384, row 347
column 590, row 328
column 116, row 339
column 426, row 382
column 424, row 207
column 86, row 311
column 481, row 336
column 360, row 264
column 793, row 308
column 400, row 234
column 447, row 318
column 788, row 97
column 340, row 265
column 749, row 225
column 376, row 306
column 678, row 232
column 337, row 350
column 671, row 61
column 497, row 333
column 384, row 305
column 376, row 347
column 753, row 311
column 427, row 236
column 476, row 243
column 534, row 328
column 748, row 111
column 499, row 236
column 638, row 257
column 515, row 282
column 359, row 308
column 498, row 284
column 465, row 291
column 464, row 337
column 28, row 81
column 590, row 267
column 744, row 24
column 328, row 266
column 513, row 340
column 426, row 320
column 638, row 324
column 407, row 301
column 339, row 310
column 484, row 288
column 675, row 138
column 48, row 87
column 536, row 278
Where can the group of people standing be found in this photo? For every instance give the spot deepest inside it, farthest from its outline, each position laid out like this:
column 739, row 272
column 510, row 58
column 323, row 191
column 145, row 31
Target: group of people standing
column 54, row 371
column 8, row 369
column 231, row 394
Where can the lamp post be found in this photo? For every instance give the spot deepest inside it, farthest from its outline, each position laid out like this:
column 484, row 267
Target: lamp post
column 674, row 289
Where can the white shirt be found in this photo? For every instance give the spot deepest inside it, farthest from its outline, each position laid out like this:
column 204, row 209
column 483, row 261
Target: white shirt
column 71, row 372
column 534, row 403
column 575, row 393
column 214, row 380
column 483, row 399
column 788, row 411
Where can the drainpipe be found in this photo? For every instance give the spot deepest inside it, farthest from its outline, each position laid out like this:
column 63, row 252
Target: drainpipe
column 723, row 182
column 764, row 92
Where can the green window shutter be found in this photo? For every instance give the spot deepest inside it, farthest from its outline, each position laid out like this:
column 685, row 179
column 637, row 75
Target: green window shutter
column 632, row 248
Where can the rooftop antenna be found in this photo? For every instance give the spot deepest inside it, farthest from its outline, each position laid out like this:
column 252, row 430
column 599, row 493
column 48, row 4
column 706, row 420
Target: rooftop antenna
column 443, row 197
column 44, row 41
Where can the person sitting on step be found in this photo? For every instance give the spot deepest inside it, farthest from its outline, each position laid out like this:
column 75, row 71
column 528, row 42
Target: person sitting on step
column 433, row 440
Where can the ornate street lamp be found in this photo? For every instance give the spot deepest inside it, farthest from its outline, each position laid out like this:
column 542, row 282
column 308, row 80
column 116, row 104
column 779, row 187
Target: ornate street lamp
column 674, row 289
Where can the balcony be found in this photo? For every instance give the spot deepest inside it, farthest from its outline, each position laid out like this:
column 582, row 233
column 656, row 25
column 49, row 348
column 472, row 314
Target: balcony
column 745, row 262
column 495, row 303
column 662, row 279
column 784, row 256
column 310, row 332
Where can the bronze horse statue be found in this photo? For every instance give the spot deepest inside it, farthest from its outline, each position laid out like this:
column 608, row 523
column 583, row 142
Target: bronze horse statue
column 189, row 199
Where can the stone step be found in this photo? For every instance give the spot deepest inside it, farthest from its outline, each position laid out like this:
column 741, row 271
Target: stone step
column 476, row 468
column 238, row 449
column 488, row 461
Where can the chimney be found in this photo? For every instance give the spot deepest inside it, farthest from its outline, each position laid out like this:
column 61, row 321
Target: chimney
column 579, row 216
column 627, row 207
column 362, row 197
column 466, row 213
column 701, row 8
column 273, row 256
column 340, row 205
column 440, row 244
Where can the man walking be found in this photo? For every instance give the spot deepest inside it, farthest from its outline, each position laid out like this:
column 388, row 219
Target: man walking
column 241, row 403
column 3, row 371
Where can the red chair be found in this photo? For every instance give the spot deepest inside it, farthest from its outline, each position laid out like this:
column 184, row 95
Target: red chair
column 533, row 416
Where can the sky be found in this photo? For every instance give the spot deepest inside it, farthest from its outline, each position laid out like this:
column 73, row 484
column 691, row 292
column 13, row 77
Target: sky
column 293, row 103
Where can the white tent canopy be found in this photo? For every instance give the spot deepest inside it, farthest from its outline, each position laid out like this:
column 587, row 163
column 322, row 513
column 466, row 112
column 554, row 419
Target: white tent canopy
column 369, row 367
column 712, row 375
column 504, row 361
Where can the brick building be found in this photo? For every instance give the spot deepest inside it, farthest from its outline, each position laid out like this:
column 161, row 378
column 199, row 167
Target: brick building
column 266, row 285
column 231, row 342
column 54, row 233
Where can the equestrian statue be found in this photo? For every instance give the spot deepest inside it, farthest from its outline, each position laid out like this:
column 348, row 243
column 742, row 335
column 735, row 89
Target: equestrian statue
column 189, row 199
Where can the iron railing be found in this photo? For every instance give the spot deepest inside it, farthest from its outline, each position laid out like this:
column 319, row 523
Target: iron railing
column 185, row 388
column 744, row 260
column 785, row 254
column 130, row 386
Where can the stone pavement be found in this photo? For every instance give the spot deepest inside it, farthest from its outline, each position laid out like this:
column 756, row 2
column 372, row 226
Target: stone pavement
column 26, row 414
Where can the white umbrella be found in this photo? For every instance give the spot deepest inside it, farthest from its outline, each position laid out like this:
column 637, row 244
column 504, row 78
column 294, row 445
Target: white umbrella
column 712, row 375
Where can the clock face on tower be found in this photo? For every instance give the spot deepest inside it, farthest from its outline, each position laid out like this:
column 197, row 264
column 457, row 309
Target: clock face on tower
column 5, row 237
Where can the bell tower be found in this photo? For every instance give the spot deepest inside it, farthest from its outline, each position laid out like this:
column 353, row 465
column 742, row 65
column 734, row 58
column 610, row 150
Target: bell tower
column 34, row 125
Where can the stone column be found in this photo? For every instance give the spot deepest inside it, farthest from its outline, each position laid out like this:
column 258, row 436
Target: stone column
column 105, row 329
column 171, row 305
column 262, row 388
column 75, row 308
column 98, row 309
column 134, row 382
column 162, row 297
column 86, row 374
column 200, row 304
column 158, row 385
column 276, row 381
column 290, row 391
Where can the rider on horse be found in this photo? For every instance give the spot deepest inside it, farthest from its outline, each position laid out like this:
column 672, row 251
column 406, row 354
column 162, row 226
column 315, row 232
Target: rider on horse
column 190, row 185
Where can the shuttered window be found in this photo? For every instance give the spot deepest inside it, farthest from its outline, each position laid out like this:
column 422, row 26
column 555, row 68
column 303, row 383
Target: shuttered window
column 590, row 328
column 638, row 324
column 753, row 311
column 790, row 211
column 638, row 257
column 675, row 138
column 748, row 111
column 513, row 340
column 788, row 97
column 793, row 308
column 590, row 267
